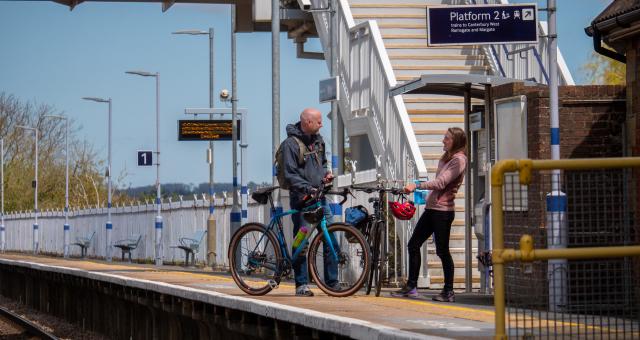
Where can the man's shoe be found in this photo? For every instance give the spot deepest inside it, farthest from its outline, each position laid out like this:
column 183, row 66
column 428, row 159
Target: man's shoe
column 303, row 291
column 406, row 291
column 445, row 296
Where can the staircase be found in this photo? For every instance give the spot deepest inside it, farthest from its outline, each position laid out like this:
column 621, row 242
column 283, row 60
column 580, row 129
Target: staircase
column 383, row 43
column 403, row 29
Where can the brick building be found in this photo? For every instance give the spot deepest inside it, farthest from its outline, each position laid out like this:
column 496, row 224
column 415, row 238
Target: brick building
column 619, row 27
column 592, row 125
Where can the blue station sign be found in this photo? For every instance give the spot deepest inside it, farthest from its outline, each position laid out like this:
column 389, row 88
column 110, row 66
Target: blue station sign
column 482, row 24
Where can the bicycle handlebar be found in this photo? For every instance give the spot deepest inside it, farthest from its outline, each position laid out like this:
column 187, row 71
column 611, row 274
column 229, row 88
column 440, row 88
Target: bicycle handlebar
column 324, row 190
column 343, row 193
column 380, row 189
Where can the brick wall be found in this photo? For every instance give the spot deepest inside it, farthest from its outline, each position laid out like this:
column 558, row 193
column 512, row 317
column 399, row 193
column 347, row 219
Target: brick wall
column 633, row 123
column 591, row 119
column 591, row 126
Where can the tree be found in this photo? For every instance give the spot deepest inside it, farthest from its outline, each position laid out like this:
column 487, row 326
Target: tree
column 603, row 70
column 86, row 182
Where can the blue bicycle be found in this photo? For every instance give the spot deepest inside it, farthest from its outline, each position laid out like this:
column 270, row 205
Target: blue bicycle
column 259, row 255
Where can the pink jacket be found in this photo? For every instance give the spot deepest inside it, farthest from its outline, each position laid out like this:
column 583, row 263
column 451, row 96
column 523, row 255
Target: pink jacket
column 444, row 187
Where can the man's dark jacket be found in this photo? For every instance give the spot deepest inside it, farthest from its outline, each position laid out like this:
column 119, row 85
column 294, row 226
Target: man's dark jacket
column 303, row 178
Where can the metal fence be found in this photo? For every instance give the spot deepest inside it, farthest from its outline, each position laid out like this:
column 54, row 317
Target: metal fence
column 577, row 272
column 182, row 218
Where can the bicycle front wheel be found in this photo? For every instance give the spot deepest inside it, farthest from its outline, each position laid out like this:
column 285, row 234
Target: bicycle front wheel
column 254, row 259
column 345, row 272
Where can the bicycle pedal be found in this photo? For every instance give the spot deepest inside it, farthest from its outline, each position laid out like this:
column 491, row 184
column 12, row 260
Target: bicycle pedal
column 273, row 284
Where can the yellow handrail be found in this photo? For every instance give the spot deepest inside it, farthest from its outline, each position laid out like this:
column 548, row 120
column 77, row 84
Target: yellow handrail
column 526, row 252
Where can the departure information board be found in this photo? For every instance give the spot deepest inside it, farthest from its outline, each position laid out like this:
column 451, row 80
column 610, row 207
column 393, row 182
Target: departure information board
column 194, row 130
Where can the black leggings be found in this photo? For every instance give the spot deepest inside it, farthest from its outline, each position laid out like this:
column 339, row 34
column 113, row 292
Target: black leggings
column 438, row 223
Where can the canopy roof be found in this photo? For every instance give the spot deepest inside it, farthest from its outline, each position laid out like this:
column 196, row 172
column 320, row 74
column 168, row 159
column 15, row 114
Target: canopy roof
column 453, row 84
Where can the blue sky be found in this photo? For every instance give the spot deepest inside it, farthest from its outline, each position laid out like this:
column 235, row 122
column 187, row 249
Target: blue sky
column 52, row 55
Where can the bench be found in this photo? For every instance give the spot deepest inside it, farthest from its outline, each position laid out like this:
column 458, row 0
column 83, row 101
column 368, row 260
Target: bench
column 127, row 245
column 84, row 243
column 191, row 245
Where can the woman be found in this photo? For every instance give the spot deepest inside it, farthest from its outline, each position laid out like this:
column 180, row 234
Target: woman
column 439, row 214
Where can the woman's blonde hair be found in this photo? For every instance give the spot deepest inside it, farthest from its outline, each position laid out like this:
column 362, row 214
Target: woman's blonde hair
column 459, row 143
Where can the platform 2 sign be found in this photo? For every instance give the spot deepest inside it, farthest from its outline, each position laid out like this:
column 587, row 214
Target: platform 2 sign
column 482, row 24
column 194, row 130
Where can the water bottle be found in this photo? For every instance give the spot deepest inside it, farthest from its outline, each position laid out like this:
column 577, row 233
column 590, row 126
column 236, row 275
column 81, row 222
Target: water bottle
column 302, row 232
column 419, row 195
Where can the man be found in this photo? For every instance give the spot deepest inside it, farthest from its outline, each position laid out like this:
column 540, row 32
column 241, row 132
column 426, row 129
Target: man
column 304, row 177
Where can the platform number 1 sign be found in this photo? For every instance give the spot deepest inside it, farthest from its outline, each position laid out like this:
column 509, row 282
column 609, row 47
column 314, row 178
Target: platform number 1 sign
column 145, row 158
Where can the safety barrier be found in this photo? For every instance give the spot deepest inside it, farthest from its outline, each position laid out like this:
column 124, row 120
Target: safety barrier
column 577, row 268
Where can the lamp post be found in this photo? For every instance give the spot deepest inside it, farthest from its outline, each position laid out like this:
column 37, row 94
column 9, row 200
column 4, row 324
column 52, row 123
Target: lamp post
column 211, row 221
column 3, row 241
column 158, row 225
column 66, row 182
column 35, row 192
column 236, row 213
column 109, row 226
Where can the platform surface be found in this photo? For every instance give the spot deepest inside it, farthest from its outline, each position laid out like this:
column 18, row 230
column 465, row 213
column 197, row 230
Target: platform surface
column 472, row 316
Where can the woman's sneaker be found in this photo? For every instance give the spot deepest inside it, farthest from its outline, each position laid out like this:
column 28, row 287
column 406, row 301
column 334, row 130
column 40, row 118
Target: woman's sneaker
column 406, row 291
column 445, row 296
column 303, row 290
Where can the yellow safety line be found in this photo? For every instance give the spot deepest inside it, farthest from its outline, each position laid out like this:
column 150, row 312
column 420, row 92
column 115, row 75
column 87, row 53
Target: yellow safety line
column 219, row 277
column 431, row 304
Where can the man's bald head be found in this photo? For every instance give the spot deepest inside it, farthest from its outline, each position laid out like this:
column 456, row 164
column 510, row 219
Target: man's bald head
column 310, row 121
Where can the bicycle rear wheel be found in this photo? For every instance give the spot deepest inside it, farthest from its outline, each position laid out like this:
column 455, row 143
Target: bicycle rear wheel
column 345, row 275
column 373, row 241
column 381, row 257
column 254, row 259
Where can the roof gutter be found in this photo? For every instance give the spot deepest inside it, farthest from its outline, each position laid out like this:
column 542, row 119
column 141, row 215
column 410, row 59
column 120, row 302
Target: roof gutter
column 595, row 30
column 597, row 46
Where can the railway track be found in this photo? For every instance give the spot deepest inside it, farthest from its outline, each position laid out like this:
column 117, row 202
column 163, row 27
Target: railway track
column 28, row 328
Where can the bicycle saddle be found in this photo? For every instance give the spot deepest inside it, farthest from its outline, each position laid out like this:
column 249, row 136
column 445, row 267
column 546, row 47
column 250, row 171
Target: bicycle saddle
column 262, row 195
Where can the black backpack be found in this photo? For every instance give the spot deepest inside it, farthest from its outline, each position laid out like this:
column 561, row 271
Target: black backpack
column 278, row 163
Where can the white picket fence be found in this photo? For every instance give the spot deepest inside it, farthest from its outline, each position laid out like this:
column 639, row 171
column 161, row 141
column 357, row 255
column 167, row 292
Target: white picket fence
column 181, row 219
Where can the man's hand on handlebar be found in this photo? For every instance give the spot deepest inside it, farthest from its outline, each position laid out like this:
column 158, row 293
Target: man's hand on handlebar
column 328, row 178
column 322, row 190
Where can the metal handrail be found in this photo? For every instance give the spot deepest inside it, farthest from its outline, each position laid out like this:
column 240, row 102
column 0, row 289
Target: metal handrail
column 527, row 253
column 366, row 77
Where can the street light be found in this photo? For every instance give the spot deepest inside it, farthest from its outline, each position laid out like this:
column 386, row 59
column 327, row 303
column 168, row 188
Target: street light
column 35, row 193
column 66, row 182
column 211, row 221
column 109, row 226
column 3, row 241
column 158, row 199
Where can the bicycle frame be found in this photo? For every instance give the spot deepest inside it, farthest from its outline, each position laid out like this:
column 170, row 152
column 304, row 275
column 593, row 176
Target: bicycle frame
column 275, row 226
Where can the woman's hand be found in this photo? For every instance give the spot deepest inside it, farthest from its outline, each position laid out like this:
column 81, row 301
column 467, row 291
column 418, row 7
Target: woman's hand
column 409, row 188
